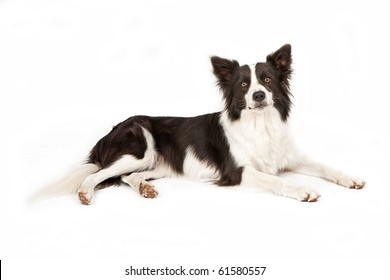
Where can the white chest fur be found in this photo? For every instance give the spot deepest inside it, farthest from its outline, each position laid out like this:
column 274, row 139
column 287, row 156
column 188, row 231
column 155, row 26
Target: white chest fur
column 260, row 139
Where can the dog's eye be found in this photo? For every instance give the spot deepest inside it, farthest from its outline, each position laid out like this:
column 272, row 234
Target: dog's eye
column 267, row 80
column 243, row 84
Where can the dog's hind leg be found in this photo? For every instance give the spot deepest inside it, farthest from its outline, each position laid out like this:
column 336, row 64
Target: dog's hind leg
column 125, row 164
column 138, row 181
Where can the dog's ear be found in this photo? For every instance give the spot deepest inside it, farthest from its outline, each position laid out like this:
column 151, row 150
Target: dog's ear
column 281, row 60
column 224, row 70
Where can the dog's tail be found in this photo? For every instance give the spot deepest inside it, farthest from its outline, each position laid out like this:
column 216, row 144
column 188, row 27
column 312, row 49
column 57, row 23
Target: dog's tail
column 68, row 184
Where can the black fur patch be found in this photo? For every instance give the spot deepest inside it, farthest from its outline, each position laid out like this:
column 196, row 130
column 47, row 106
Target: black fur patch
column 172, row 136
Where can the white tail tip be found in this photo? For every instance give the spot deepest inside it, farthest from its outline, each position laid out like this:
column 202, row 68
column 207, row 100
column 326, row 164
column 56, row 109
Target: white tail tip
column 67, row 185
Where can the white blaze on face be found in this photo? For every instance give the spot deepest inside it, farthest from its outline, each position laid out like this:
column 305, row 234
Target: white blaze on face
column 256, row 86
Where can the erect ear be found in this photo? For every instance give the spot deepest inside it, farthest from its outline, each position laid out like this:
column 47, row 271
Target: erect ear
column 281, row 60
column 224, row 70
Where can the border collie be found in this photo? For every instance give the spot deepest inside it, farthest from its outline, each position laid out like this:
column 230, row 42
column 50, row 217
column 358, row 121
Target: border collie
column 248, row 143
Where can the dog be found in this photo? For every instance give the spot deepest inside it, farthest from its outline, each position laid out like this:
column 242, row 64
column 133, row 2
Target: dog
column 247, row 143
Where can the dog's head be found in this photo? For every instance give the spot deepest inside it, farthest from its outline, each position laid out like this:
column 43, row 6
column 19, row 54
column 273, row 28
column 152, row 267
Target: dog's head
column 255, row 87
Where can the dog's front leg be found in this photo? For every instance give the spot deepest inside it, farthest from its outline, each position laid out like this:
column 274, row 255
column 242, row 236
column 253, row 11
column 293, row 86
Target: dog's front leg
column 312, row 168
column 253, row 177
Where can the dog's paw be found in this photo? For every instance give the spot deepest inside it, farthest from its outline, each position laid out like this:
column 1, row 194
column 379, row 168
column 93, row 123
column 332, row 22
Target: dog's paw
column 85, row 198
column 147, row 190
column 304, row 194
column 351, row 183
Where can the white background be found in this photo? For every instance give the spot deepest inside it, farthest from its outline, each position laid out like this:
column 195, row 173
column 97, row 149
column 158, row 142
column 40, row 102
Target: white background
column 69, row 70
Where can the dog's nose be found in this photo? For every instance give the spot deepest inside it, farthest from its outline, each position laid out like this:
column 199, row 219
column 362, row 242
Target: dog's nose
column 258, row 96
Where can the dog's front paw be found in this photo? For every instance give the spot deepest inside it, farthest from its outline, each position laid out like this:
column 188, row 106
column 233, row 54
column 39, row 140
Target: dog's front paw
column 351, row 183
column 304, row 194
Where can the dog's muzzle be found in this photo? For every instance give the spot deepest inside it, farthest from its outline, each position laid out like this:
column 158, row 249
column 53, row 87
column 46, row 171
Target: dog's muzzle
column 258, row 100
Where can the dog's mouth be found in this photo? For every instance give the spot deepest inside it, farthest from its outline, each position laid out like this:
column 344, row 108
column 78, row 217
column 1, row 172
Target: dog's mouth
column 258, row 106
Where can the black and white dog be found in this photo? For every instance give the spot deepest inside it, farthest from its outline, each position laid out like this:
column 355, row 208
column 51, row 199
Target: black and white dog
column 248, row 143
